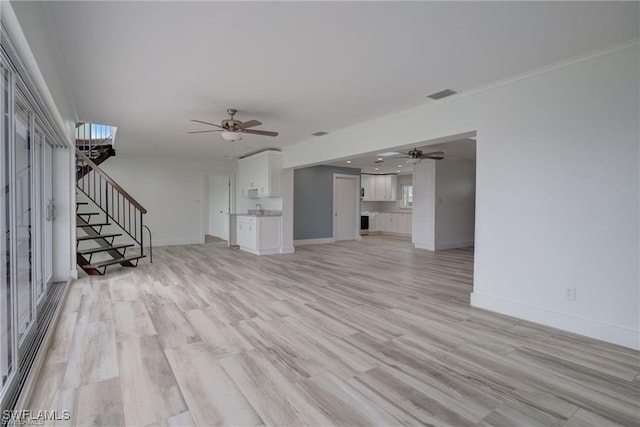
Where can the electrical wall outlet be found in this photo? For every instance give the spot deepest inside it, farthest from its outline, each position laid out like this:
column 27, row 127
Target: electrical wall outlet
column 571, row 293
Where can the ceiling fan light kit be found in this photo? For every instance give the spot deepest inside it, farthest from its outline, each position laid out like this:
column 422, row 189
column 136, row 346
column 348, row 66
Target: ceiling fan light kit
column 231, row 136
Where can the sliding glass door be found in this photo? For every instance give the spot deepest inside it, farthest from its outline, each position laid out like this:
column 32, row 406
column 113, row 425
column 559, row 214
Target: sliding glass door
column 7, row 343
column 23, row 213
column 47, row 211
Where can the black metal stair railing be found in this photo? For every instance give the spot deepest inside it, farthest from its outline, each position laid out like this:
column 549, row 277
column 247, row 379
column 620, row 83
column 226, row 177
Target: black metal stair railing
column 118, row 205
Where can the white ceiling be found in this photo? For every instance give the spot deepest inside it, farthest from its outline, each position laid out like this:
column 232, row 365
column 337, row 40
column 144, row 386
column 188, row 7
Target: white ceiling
column 300, row 67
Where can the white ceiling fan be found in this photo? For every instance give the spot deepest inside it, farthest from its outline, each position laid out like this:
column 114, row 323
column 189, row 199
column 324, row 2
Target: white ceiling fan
column 232, row 129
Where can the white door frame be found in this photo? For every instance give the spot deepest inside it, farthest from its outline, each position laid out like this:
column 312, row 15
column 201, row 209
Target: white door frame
column 356, row 179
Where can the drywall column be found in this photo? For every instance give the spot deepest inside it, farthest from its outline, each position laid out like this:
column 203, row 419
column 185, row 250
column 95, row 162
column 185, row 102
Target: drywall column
column 424, row 211
column 287, row 212
column 64, row 225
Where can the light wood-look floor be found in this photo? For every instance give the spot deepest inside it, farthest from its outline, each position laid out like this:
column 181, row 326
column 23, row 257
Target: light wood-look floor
column 356, row 334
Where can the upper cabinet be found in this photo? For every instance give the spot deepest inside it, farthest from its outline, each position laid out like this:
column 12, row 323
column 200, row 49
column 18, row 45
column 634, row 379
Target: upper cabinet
column 260, row 175
column 377, row 188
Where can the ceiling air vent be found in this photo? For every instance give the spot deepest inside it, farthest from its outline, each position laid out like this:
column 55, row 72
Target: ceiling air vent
column 320, row 133
column 442, row 94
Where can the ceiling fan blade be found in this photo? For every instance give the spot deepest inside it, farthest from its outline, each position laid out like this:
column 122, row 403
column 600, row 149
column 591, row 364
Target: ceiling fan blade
column 248, row 124
column 434, row 153
column 206, row 123
column 261, row 132
column 433, row 157
column 205, row 131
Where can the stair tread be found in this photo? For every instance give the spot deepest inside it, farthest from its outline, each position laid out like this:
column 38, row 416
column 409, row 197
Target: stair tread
column 95, row 250
column 87, row 213
column 100, row 236
column 98, row 224
column 82, row 203
column 114, row 261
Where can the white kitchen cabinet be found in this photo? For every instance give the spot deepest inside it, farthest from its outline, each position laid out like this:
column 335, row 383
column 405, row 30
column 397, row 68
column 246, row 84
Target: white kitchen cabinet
column 367, row 182
column 373, row 222
column 245, row 177
column 260, row 175
column 402, row 226
column 379, row 188
column 259, row 235
column 390, row 222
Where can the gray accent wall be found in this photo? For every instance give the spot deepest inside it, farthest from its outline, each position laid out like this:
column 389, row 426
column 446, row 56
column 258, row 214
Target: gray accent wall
column 313, row 201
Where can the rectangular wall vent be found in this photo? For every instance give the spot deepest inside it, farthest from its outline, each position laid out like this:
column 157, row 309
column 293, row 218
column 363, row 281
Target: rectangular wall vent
column 442, row 94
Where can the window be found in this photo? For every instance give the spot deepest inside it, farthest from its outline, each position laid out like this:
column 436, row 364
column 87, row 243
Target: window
column 407, row 195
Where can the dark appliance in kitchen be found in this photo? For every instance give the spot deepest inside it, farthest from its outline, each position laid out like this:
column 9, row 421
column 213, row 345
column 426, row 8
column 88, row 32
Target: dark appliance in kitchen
column 364, row 223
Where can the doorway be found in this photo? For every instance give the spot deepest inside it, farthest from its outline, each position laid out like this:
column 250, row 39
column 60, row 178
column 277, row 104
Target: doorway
column 217, row 208
column 346, row 207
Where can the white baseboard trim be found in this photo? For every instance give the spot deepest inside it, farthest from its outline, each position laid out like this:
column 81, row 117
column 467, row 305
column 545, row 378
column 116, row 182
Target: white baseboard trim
column 289, row 250
column 453, row 245
column 419, row 245
column 313, row 241
column 73, row 274
column 590, row 328
column 274, row 251
column 178, row 242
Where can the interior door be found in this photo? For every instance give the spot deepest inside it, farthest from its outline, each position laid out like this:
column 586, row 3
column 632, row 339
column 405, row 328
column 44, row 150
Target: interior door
column 219, row 206
column 346, row 198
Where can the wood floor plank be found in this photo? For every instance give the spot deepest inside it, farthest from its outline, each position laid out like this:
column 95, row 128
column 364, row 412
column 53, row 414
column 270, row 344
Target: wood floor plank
column 98, row 404
column 131, row 320
column 149, row 389
column 212, row 397
column 223, row 338
column 172, row 327
column 45, row 396
column 343, row 404
column 263, row 387
column 59, row 350
column 93, row 355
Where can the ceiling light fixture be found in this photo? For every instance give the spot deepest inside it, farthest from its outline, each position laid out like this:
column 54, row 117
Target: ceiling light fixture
column 399, row 166
column 377, row 169
column 398, row 170
column 348, row 161
column 380, row 158
column 231, row 136
column 414, row 161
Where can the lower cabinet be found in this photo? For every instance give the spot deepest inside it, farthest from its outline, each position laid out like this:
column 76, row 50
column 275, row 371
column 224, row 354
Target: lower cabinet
column 259, row 235
column 390, row 222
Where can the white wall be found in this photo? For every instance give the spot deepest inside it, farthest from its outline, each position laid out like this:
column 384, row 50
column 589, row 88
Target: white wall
column 172, row 190
column 556, row 193
column 424, row 210
column 455, row 202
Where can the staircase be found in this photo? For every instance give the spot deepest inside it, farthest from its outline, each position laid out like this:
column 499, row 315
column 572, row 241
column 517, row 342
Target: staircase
column 108, row 219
